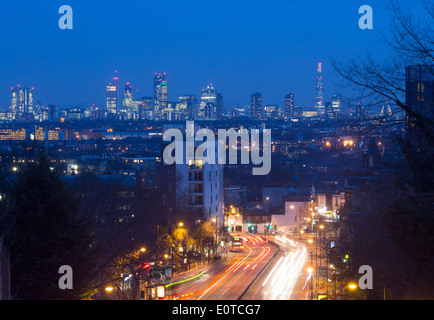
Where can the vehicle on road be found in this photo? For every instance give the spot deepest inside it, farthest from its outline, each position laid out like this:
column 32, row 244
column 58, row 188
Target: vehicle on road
column 236, row 243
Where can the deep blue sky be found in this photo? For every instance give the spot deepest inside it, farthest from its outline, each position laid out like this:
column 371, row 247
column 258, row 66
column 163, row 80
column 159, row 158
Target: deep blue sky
column 244, row 46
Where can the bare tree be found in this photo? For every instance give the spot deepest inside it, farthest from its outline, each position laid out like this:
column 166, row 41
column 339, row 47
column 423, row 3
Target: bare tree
column 407, row 213
column 377, row 83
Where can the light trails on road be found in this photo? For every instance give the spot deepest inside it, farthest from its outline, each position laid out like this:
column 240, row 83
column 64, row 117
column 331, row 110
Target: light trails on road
column 227, row 273
column 228, row 279
column 279, row 280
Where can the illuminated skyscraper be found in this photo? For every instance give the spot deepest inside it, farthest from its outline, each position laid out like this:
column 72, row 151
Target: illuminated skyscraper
column 127, row 109
column 336, row 105
column 211, row 102
column 386, row 111
column 112, row 99
column 22, row 101
column 161, row 94
column 219, row 106
column 289, row 107
column 256, row 106
column 329, row 110
column 188, row 105
column 115, row 81
column 146, row 108
column 127, row 100
column 319, row 98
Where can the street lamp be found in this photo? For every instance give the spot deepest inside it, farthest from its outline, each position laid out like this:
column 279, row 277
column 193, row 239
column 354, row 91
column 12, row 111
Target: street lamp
column 266, row 203
column 321, row 227
column 352, row 286
column 214, row 220
column 310, row 270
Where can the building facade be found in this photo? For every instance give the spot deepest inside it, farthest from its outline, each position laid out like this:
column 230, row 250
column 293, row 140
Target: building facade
column 319, row 96
column 161, row 94
column 22, row 102
column 289, row 107
column 256, row 106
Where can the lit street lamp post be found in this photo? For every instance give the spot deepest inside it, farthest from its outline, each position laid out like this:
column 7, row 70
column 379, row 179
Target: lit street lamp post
column 216, row 238
column 321, row 227
column 310, row 270
column 266, row 203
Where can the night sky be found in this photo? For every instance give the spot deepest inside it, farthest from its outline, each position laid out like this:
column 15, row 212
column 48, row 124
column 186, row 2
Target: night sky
column 271, row 46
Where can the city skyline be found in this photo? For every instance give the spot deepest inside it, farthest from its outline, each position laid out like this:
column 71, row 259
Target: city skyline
column 127, row 104
column 236, row 151
column 138, row 94
column 274, row 56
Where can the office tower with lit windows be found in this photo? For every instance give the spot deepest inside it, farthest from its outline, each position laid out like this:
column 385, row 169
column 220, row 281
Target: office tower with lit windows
column 208, row 103
column 319, row 97
column 271, row 111
column 329, row 110
column 188, row 106
column 256, row 106
column 289, row 107
column 419, row 97
column 112, row 97
column 219, row 106
column 146, row 108
column 161, row 94
column 127, row 100
column 127, row 107
column 386, row 111
column 336, row 105
column 22, row 102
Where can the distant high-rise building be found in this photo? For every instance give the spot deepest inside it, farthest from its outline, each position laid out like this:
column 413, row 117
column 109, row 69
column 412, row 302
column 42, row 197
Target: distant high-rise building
column 112, row 99
column 386, row 111
column 336, row 105
column 52, row 111
column 219, row 106
column 146, row 108
column 127, row 100
column 115, row 82
column 329, row 110
column 360, row 111
column 319, row 97
column 208, row 103
column 298, row 112
column 127, row 108
column 256, row 106
column 271, row 111
column 22, row 101
column 161, row 94
column 419, row 97
column 289, row 107
column 188, row 105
